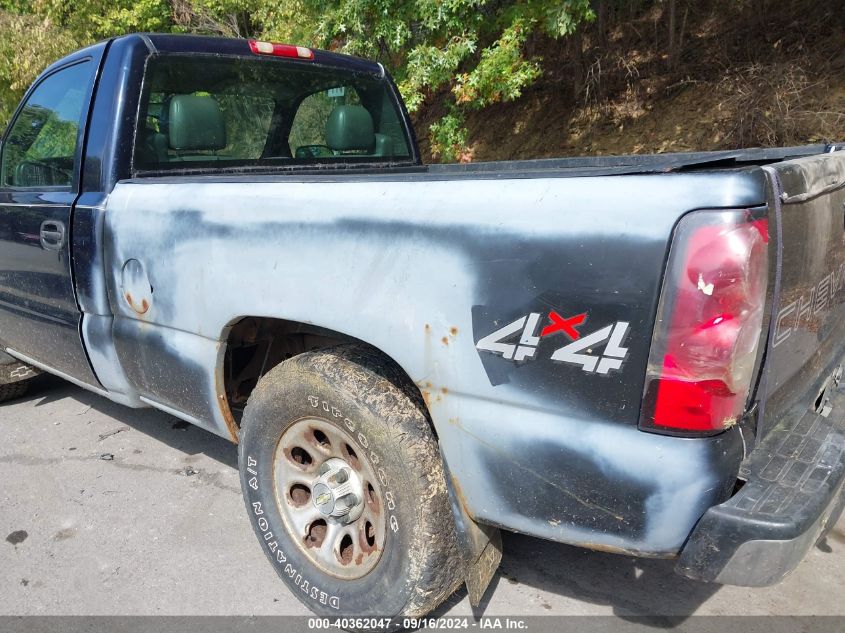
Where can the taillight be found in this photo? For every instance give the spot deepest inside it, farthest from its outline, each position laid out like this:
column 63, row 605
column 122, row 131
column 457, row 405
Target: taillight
column 280, row 50
column 707, row 333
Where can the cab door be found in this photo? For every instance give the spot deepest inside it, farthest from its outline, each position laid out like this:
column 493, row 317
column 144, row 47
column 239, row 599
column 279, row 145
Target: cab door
column 39, row 182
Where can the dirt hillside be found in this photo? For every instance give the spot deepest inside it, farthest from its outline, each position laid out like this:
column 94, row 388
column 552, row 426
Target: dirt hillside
column 745, row 74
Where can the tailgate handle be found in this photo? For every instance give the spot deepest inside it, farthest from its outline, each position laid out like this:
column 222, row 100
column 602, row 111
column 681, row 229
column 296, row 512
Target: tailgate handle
column 52, row 235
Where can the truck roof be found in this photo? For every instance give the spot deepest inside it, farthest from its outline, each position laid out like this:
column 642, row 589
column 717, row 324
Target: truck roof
column 213, row 45
column 169, row 43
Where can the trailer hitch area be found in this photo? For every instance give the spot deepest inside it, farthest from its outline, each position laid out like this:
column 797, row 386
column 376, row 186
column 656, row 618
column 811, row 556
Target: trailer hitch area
column 823, row 404
column 480, row 545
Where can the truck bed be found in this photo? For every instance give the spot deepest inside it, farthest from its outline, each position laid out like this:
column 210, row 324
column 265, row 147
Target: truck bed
column 641, row 163
column 534, row 168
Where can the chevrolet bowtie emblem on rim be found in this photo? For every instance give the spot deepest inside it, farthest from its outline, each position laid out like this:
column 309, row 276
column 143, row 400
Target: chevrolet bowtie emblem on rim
column 578, row 352
column 324, row 498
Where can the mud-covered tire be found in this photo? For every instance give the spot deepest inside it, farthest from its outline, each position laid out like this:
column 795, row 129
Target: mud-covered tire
column 13, row 390
column 366, row 395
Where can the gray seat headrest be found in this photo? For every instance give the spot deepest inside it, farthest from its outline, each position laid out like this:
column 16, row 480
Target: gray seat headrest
column 350, row 127
column 196, row 123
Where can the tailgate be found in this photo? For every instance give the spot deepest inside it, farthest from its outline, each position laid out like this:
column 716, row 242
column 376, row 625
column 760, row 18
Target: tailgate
column 807, row 333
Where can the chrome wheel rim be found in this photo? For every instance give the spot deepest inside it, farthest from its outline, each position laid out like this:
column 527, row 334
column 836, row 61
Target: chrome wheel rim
column 329, row 498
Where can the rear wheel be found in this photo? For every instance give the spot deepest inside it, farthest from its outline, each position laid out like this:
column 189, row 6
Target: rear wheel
column 345, row 487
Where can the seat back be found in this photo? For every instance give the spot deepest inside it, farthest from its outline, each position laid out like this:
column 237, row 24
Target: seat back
column 195, row 124
column 384, row 145
column 350, row 128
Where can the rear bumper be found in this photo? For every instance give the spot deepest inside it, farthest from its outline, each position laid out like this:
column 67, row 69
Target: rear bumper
column 795, row 491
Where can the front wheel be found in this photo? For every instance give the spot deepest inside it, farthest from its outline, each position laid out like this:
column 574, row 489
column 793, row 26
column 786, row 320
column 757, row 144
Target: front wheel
column 15, row 379
column 345, row 487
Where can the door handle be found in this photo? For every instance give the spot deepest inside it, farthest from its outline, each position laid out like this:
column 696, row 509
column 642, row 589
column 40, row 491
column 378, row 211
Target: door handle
column 52, row 235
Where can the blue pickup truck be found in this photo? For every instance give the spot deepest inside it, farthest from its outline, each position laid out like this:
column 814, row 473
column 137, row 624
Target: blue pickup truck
column 636, row 354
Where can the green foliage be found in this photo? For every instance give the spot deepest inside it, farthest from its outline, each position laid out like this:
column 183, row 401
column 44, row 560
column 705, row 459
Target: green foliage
column 558, row 18
column 449, row 138
column 501, row 72
column 28, row 43
column 134, row 15
column 475, row 48
column 429, row 67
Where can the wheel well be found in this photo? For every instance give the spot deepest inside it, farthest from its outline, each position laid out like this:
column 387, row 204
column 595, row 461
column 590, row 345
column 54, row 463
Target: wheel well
column 254, row 345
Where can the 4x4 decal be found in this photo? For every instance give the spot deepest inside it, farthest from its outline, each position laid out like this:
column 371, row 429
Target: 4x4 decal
column 578, row 352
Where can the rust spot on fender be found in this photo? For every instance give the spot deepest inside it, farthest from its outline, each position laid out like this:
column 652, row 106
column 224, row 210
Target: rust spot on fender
column 139, row 309
column 445, row 340
column 228, row 418
column 427, row 397
column 459, row 495
column 453, row 331
column 223, row 403
column 444, row 390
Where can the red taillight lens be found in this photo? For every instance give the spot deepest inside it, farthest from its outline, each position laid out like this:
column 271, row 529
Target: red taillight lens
column 705, row 341
column 280, row 50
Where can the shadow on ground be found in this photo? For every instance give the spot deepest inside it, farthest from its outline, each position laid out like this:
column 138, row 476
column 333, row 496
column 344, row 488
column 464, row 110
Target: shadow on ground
column 161, row 426
column 647, row 591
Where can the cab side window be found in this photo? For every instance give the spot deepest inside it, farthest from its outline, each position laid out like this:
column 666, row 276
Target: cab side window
column 41, row 146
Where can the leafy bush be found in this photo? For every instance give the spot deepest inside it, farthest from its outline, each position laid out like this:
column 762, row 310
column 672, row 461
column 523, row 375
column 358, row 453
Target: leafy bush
column 449, row 138
column 501, row 72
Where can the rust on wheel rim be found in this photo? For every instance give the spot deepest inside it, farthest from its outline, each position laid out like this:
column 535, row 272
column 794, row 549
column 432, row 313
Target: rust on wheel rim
column 329, row 498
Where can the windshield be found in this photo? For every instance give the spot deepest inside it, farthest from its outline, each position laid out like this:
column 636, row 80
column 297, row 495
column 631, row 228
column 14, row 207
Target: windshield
column 219, row 112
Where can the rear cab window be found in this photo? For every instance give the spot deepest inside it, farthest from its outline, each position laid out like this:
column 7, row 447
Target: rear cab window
column 237, row 113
